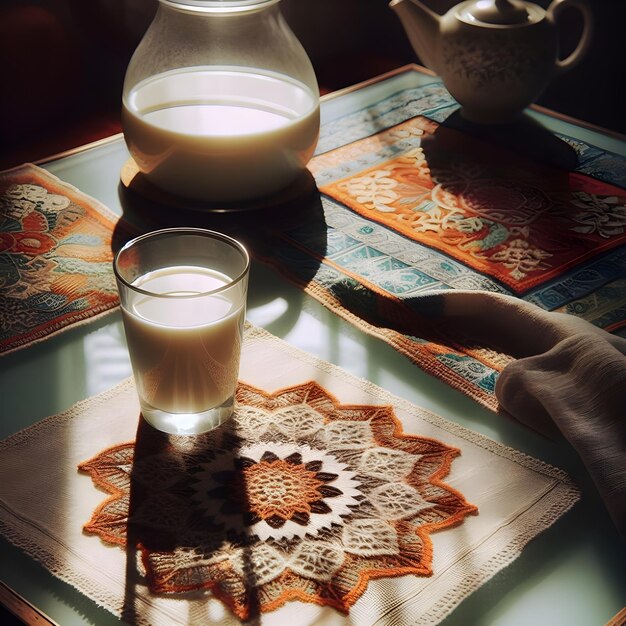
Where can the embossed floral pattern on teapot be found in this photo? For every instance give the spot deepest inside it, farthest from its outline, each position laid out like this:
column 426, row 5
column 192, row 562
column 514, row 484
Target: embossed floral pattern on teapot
column 494, row 56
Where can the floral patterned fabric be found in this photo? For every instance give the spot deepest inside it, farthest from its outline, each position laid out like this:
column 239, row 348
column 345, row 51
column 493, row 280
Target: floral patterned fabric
column 414, row 203
column 55, row 257
column 515, row 221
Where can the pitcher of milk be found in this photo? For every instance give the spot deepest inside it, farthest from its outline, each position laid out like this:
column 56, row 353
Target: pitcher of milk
column 220, row 101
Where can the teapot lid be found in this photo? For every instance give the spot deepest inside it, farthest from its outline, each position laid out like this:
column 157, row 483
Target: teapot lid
column 498, row 12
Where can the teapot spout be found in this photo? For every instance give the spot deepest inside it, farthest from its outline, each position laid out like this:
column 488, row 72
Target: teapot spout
column 422, row 27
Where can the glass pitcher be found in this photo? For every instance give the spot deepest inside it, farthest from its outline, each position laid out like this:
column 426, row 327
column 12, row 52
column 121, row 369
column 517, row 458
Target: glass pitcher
column 220, row 101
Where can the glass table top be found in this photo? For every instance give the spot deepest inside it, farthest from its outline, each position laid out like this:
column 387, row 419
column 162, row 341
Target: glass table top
column 571, row 574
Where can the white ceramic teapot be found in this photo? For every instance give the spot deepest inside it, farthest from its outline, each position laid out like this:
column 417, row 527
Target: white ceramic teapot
column 494, row 56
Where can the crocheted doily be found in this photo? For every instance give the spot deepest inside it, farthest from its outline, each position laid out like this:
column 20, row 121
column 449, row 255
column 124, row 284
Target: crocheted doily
column 296, row 497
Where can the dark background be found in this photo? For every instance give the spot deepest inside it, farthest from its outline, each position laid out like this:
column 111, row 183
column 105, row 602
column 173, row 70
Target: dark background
column 62, row 63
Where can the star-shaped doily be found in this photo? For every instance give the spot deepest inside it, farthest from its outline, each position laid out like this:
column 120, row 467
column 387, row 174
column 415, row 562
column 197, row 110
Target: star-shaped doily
column 296, row 497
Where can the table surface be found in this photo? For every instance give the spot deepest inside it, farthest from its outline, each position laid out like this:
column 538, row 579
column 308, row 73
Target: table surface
column 571, row 574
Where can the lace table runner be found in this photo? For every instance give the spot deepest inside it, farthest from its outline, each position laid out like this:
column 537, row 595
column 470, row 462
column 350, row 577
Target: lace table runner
column 325, row 498
column 55, row 257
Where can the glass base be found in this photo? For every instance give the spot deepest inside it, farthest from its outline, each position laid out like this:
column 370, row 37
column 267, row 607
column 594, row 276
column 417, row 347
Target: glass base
column 188, row 423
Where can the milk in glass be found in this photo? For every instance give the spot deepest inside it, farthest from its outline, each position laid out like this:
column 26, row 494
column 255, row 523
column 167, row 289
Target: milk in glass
column 184, row 351
column 221, row 133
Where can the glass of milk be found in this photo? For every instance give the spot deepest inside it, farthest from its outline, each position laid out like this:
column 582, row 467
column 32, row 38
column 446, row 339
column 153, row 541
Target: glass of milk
column 183, row 299
column 220, row 101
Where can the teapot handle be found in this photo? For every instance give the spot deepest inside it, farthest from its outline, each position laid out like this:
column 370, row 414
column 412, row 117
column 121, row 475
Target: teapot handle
column 554, row 10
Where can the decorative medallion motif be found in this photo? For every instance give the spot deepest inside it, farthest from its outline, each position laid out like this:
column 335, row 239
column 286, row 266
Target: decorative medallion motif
column 296, row 498
column 498, row 213
column 279, row 493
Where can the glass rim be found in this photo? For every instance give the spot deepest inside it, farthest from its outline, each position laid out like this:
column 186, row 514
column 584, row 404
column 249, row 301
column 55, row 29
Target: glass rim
column 218, row 6
column 200, row 232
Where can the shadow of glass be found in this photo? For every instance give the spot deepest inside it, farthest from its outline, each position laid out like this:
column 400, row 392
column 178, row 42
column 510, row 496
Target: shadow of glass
column 188, row 506
column 168, row 512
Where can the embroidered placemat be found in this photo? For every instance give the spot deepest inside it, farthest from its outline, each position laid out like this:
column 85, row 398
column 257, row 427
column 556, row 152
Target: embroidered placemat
column 55, row 257
column 415, row 203
column 324, row 498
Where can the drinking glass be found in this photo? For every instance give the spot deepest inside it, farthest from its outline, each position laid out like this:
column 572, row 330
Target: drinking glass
column 183, row 299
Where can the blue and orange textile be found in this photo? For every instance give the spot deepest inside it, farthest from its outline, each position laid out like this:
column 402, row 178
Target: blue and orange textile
column 415, row 203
